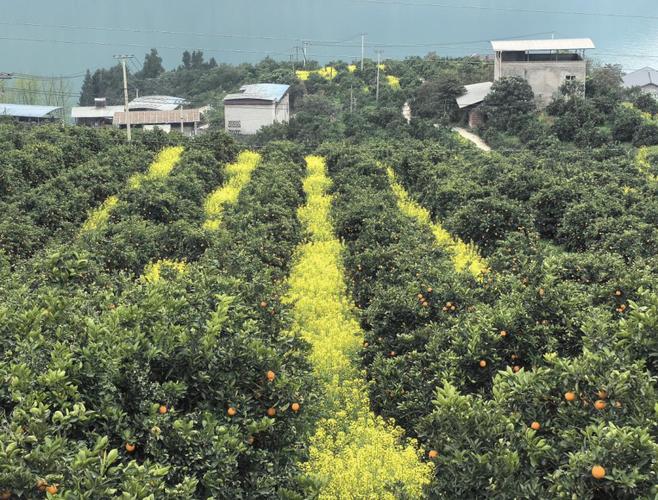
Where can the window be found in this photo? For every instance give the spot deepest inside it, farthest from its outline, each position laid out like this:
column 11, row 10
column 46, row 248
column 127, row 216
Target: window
column 234, row 124
column 570, row 78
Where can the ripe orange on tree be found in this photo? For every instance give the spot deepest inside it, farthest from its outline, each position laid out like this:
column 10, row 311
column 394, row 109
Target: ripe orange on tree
column 602, row 394
column 163, row 409
column 600, row 404
column 433, row 454
column 570, row 396
column 271, row 375
column 598, row 472
column 263, row 304
column 295, row 407
column 271, row 412
column 483, row 363
column 130, row 447
column 516, row 368
column 231, row 412
column 503, row 333
column 52, row 489
column 535, row 426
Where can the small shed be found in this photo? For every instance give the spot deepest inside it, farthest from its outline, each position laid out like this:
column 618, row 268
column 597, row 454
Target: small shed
column 645, row 78
column 98, row 115
column 157, row 103
column 31, row 113
column 256, row 106
column 471, row 101
column 187, row 121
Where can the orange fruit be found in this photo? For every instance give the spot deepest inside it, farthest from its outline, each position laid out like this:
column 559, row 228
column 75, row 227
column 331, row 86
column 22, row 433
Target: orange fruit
column 617, row 404
column 598, row 472
column 516, row 368
column 231, row 412
column 420, row 296
column 424, row 304
column 162, row 409
column 433, row 454
column 541, row 292
column 42, row 485
column 570, row 396
column 392, row 354
column 483, row 363
column 130, row 447
column 271, row 412
column 365, row 344
column 602, row 394
column 503, row 333
column 600, row 405
column 618, row 293
column 52, row 489
column 515, row 356
column 271, row 375
column 535, row 426
column 295, row 407
column 429, row 290
column 452, row 308
column 263, row 304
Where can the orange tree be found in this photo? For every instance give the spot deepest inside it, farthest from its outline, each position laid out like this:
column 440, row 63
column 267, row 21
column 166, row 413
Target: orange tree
column 113, row 385
column 504, row 353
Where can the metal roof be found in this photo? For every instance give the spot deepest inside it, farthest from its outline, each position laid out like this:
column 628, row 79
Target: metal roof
column 557, row 44
column 641, row 78
column 27, row 110
column 158, row 117
column 94, row 112
column 474, row 94
column 261, row 92
column 157, row 102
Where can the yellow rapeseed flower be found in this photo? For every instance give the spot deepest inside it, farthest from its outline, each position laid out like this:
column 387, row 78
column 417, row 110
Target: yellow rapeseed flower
column 239, row 174
column 464, row 256
column 153, row 271
column 393, row 82
column 100, row 216
column 164, row 163
column 353, row 453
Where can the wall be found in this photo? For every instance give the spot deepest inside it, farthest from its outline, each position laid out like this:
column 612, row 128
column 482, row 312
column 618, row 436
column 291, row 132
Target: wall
column 545, row 78
column 651, row 90
column 283, row 110
column 250, row 115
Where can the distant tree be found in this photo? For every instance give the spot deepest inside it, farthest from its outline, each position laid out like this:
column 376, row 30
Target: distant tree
column 103, row 83
column 625, row 123
column 647, row 103
column 603, row 86
column 509, row 101
column 212, row 63
column 436, row 98
column 152, row 67
column 197, row 59
column 187, row 60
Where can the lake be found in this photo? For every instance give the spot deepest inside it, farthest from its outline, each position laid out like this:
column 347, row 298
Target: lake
column 65, row 37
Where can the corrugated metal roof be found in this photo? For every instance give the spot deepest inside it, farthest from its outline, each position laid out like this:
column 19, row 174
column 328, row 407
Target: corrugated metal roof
column 158, row 117
column 474, row 94
column 94, row 112
column 261, row 92
column 157, row 102
column 641, row 78
column 27, row 110
column 557, row 44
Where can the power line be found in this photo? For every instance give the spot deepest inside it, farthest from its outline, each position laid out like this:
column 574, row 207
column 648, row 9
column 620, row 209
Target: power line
column 507, row 9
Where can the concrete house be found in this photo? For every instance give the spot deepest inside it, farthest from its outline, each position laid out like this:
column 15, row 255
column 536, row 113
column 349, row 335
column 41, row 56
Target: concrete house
column 185, row 121
column 256, row 106
column 545, row 64
column 645, row 78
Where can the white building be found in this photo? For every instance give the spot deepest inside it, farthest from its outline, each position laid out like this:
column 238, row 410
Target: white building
column 100, row 114
column 544, row 64
column 645, row 78
column 256, row 106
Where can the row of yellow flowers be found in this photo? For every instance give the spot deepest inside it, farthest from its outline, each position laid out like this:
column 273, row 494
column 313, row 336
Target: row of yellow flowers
column 643, row 163
column 353, row 453
column 464, row 256
column 161, row 167
column 329, row 73
column 239, row 174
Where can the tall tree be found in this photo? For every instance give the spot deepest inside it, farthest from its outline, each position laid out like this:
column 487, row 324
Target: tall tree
column 187, row 59
column 152, row 65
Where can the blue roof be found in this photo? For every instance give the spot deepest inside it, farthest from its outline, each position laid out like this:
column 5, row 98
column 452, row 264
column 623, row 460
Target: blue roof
column 26, row 110
column 260, row 91
column 157, row 102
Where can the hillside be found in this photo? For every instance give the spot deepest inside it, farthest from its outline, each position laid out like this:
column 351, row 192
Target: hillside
column 345, row 306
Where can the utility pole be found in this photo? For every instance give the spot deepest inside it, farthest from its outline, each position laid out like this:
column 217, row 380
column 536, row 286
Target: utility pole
column 351, row 99
column 304, row 47
column 379, row 54
column 363, row 49
column 123, row 59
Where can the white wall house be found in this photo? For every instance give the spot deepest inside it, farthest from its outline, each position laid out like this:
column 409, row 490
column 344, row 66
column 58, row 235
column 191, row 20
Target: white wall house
column 544, row 64
column 256, row 106
column 645, row 78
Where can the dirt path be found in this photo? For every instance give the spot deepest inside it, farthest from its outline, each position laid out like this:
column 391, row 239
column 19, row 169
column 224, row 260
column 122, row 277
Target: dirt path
column 473, row 138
